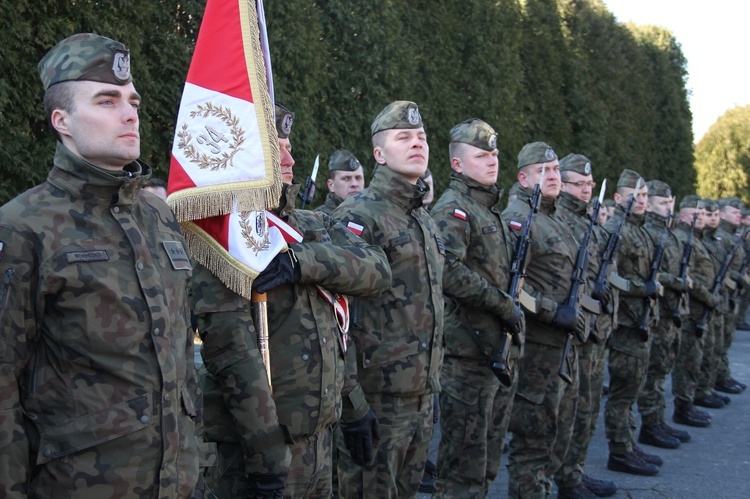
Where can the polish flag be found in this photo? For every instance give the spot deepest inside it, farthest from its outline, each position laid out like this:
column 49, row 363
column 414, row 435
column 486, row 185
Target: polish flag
column 459, row 214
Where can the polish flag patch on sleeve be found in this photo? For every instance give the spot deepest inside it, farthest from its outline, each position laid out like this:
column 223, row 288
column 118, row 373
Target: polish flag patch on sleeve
column 459, row 214
column 355, row 228
column 515, row 225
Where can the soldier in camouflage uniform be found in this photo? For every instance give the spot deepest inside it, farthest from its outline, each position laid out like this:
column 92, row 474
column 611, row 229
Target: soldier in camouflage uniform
column 730, row 212
column 544, row 405
column 629, row 348
column 345, row 178
column 572, row 207
column 513, row 192
column 475, row 407
column 665, row 338
column 282, row 441
column 398, row 336
column 740, row 321
column 98, row 392
column 701, row 274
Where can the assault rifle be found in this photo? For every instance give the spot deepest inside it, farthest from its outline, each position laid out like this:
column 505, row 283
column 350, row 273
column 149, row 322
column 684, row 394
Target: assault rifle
column 499, row 361
column 579, row 280
column 309, row 192
column 654, row 276
column 685, row 261
column 719, row 281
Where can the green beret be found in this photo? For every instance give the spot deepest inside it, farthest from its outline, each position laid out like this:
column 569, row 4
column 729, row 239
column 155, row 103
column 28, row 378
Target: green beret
column 475, row 132
column 629, row 178
column 691, row 201
column 731, row 201
column 86, row 56
column 658, row 188
column 343, row 160
column 399, row 114
column 710, row 204
column 576, row 163
column 284, row 121
column 534, row 153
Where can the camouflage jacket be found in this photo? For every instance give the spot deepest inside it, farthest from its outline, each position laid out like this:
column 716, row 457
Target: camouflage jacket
column 728, row 232
column 96, row 356
column 399, row 335
column 574, row 213
column 549, row 273
column 669, row 269
column 719, row 243
column 332, row 202
column 307, row 360
column 477, row 265
column 700, row 270
column 634, row 257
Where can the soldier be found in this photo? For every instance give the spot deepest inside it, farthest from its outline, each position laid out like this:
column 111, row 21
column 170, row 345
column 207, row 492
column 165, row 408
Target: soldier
column 345, row 178
column 740, row 320
column 665, row 338
column 730, row 212
column 281, row 442
column 700, row 298
column 572, row 207
column 478, row 254
column 98, row 388
column 513, row 192
column 398, row 336
column 629, row 348
column 544, row 405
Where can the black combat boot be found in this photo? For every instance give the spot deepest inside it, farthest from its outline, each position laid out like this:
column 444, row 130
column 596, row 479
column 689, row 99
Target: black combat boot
column 738, row 383
column 649, row 458
column 680, row 435
column 710, row 401
column 578, row 492
column 631, row 463
column 656, row 435
column 724, row 398
column 727, row 386
column 684, row 414
column 600, row 488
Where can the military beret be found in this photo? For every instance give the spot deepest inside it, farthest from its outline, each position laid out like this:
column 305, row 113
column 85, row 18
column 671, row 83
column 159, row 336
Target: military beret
column 86, row 56
column 658, row 188
column 535, row 152
column 284, row 121
column 475, row 132
column 731, row 201
column 343, row 160
column 427, row 173
column 691, row 201
column 629, row 178
column 710, row 204
column 576, row 163
column 398, row 114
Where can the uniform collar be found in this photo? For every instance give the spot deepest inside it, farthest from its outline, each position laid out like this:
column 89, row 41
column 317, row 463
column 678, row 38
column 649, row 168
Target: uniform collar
column 83, row 180
column 632, row 219
column 725, row 225
column 397, row 188
column 573, row 204
column 332, row 200
column 655, row 219
column 287, row 199
column 483, row 194
column 548, row 206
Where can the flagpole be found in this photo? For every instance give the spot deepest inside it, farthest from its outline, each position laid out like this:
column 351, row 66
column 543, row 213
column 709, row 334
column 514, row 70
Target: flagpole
column 260, row 310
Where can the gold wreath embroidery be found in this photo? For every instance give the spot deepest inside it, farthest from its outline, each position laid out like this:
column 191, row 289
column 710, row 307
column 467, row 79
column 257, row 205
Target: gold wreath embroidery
column 204, row 160
column 250, row 241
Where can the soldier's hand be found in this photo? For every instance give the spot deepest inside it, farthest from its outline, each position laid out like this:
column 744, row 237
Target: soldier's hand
column 283, row 269
column 265, row 486
column 603, row 293
column 569, row 319
column 516, row 321
column 359, row 437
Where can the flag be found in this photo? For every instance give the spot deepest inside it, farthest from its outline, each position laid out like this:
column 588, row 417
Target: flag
column 225, row 168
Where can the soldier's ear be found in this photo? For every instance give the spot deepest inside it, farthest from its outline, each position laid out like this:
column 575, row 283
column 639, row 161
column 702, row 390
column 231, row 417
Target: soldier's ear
column 456, row 165
column 377, row 152
column 59, row 120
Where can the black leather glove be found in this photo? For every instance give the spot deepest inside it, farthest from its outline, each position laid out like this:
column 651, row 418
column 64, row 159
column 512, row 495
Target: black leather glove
column 603, row 293
column 569, row 319
column 265, row 486
column 652, row 289
column 359, row 436
column 283, row 269
column 516, row 321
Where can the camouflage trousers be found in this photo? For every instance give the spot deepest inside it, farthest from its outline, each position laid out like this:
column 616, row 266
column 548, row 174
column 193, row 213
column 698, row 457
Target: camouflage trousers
column 713, row 344
column 688, row 363
column 628, row 365
column 405, row 433
column 665, row 343
column 591, row 363
column 723, row 371
column 309, row 471
column 475, row 412
column 541, row 421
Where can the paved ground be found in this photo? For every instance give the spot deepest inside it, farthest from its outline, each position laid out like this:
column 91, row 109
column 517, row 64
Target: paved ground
column 715, row 464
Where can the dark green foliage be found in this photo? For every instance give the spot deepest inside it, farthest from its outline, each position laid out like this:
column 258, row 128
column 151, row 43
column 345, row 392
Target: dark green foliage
column 563, row 71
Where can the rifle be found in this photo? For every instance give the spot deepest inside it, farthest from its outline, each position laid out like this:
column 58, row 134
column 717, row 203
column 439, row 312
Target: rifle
column 653, row 276
column 685, row 262
column 309, row 191
column 611, row 249
column 719, row 281
column 579, row 280
column 499, row 361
